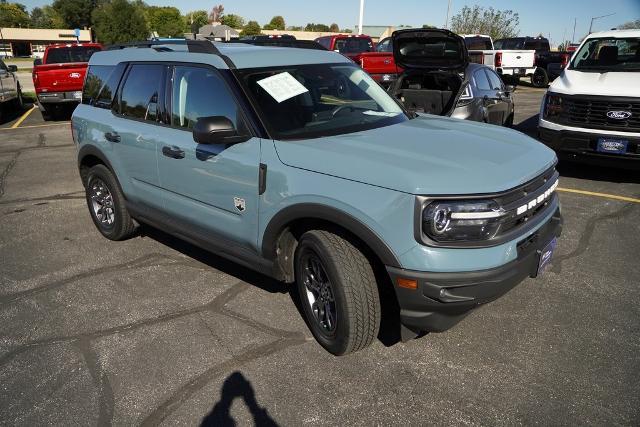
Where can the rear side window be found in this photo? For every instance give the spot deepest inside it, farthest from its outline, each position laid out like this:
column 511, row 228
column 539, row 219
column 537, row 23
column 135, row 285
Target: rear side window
column 324, row 42
column 97, row 76
column 482, row 82
column 62, row 55
column 139, row 99
column 200, row 92
column 496, row 82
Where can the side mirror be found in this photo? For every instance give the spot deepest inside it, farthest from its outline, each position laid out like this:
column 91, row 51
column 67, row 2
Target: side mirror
column 215, row 130
column 37, row 61
column 12, row 68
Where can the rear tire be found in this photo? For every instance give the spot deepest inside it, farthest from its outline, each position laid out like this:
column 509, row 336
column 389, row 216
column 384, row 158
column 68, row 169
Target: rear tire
column 540, row 78
column 338, row 292
column 106, row 204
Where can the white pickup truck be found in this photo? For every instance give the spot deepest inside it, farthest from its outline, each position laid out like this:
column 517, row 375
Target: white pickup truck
column 511, row 64
column 591, row 113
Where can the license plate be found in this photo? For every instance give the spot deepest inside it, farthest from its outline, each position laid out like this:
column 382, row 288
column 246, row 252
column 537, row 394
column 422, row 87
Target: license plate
column 545, row 256
column 614, row 146
column 77, row 95
column 519, row 71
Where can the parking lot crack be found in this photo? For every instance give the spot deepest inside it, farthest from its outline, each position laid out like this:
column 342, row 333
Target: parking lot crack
column 5, row 172
column 105, row 415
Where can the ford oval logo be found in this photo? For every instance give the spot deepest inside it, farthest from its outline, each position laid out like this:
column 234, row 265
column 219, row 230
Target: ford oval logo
column 75, row 75
column 619, row 115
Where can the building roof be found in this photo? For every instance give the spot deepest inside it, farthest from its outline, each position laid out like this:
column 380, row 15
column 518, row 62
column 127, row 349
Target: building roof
column 40, row 34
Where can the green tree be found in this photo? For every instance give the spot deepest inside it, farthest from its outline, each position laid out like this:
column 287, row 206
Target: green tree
column 234, row 21
column 317, row 27
column 479, row 20
column 294, row 28
column 40, row 18
column 334, row 28
column 199, row 18
column 251, row 29
column 74, row 13
column 347, row 30
column 276, row 23
column 119, row 21
column 13, row 15
column 630, row 25
column 164, row 20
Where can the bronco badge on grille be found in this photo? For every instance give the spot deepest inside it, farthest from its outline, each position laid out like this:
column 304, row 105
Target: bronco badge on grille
column 619, row 115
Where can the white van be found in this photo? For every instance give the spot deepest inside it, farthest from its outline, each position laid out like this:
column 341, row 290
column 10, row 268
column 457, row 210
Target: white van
column 592, row 111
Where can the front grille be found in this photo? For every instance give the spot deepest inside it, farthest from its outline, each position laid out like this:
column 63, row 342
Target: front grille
column 591, row 112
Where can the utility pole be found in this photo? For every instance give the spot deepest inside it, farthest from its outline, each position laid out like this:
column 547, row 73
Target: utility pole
column 574, row 30
column 361, row 17
column 446, row 23
column 598, row 17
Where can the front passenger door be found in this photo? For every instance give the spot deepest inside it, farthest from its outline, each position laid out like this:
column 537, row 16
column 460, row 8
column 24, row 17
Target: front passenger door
column 499, row 111
column 211, row 189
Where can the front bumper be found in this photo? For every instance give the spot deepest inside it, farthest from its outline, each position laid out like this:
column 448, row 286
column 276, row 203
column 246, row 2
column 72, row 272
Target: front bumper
column 59, row 97
column 443, row 299
column 582, row 146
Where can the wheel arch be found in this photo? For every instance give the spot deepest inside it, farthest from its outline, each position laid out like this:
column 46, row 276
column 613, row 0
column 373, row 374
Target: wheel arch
column 283, row 229
column 89, row 156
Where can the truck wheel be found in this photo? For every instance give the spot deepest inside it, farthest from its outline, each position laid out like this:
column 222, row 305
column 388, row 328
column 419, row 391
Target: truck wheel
column 19, row 100
column 540, row 78
column 106, row 204
column 338, row 292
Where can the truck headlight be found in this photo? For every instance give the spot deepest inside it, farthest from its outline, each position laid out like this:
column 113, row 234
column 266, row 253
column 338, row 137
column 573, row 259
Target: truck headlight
column 456, row 221
column 553, row 105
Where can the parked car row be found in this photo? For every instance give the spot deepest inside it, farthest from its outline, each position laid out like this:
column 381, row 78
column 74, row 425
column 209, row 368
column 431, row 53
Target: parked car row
column 10, row 91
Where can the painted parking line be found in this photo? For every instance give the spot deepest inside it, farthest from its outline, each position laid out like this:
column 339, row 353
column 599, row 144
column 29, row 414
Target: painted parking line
column 24, row 116
column 603, row 195
column 37, row 126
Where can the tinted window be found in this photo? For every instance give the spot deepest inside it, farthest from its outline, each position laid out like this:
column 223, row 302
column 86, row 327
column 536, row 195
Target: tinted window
column 478, row 43
column 140, row 92
column 70, row 54
column 510, row 44
column 324, row 42
column 200, row 92
column 353, row 45
column 482, row 82
column 496, row 82
column 3, row 66
column 97, row 75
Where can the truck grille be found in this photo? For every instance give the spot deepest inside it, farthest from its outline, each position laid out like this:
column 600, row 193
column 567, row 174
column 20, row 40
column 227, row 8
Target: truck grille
column 591, row 112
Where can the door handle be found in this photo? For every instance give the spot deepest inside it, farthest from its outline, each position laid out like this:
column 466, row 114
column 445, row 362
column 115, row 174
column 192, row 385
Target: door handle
column 173, row 152
column 112, row 137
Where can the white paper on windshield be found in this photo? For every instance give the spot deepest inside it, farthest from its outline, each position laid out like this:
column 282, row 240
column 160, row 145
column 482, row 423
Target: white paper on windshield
column 282, row 86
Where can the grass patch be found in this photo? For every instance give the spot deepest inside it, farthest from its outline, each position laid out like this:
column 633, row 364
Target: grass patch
column 29, row 96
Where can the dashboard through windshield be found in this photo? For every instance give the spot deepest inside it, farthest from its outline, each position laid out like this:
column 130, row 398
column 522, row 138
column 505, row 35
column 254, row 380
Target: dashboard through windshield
column 310, row 101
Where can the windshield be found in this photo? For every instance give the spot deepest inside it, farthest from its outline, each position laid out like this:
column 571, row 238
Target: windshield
column 608, row 54
column 310, row 101
column 478, row 43
column 353, row 45
column 61, row 55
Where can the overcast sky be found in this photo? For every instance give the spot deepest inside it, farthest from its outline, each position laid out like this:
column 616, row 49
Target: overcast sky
column 536, row 16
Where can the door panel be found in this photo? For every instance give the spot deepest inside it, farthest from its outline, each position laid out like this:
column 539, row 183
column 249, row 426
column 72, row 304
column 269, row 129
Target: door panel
column 498, row 107
column 210, row 186
column 7, row 85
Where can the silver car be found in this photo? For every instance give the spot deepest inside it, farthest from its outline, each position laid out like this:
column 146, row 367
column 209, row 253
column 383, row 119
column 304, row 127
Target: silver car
column 437, row 78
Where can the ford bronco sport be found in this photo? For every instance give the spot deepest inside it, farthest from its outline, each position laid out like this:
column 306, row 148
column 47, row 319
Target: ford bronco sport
column 295, row 163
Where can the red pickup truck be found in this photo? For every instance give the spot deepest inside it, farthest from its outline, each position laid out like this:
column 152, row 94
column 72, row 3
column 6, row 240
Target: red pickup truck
column 347, row 44
column 59, row 76
column 380, row 64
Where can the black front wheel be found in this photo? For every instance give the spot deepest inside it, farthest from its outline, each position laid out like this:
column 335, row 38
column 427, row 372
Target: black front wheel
column 338, row 292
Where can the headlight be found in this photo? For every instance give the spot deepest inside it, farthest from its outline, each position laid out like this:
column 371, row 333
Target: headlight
column 455, row 221
column 553, row 105
column 466, row 97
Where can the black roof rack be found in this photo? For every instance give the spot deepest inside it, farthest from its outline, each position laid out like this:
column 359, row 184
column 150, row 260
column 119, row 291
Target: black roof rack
column 193, row 46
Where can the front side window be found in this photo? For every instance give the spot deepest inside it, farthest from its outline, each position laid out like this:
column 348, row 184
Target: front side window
column 200, row 92
column 496, row 82
column 384, row 46
column 309, row 101
column 139, row 99
column 608, row 54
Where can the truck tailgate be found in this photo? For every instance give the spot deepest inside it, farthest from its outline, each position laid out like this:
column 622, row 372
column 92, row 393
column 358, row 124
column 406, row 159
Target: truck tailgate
column 59, row 77
column 518, row 58
column 378, row 63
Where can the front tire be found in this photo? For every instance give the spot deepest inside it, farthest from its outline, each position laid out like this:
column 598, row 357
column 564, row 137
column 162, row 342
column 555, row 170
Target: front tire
column 107, row 204
column 338, row 292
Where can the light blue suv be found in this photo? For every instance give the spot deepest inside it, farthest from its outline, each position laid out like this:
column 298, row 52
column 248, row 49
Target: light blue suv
column 297, row 164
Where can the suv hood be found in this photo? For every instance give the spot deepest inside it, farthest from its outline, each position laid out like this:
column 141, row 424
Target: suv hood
column 428, row 155
column 573, row 82
column 429, row 49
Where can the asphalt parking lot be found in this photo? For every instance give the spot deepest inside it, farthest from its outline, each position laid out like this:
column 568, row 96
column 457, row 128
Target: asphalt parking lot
column 153, row 330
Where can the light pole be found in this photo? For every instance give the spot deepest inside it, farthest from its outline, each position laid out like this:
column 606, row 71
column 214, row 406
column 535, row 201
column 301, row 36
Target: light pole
column 446, row 23
column 361, row 17
column 598, row 17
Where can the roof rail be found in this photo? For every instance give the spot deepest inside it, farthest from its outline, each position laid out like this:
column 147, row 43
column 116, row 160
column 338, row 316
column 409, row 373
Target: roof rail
column 193, row 46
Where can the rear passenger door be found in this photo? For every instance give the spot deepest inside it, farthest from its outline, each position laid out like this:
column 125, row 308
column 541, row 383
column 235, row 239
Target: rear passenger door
column 134, row 132
column 500, row 107
column 211, row 189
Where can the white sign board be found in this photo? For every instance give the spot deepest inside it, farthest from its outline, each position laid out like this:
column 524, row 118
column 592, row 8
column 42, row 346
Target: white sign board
column 282, row 86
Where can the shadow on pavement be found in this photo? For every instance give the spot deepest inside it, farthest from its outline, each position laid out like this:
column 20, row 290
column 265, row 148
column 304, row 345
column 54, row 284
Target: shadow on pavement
column 598, row 173
column 237, row 386
column 528, row 126
column 10, row 113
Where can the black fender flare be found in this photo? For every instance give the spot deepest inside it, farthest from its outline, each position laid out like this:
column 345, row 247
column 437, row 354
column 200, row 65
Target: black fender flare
column 325, row 213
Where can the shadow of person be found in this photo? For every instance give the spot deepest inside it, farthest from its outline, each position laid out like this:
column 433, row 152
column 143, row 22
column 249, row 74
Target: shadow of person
column 236, row 385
